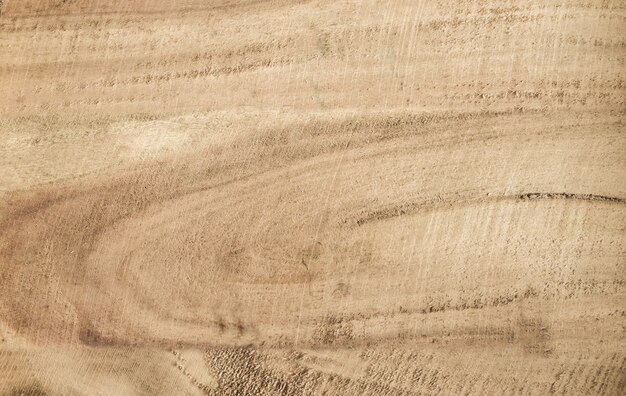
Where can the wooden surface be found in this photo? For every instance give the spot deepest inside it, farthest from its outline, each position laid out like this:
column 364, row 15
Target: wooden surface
column 312, row 197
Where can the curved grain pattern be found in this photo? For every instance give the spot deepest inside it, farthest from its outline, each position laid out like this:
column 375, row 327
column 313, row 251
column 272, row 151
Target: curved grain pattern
column 267, row 197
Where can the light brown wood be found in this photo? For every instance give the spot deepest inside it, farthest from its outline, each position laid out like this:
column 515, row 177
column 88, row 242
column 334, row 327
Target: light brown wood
column 312, row 197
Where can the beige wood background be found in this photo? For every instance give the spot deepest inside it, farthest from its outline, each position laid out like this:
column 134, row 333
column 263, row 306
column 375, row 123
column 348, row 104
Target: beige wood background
column 312, row 197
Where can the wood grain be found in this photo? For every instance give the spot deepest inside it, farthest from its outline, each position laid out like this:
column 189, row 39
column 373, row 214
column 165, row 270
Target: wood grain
column 312, row 197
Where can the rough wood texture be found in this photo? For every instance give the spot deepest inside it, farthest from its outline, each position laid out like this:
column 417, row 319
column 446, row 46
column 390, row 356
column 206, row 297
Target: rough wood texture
column 312, row 197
